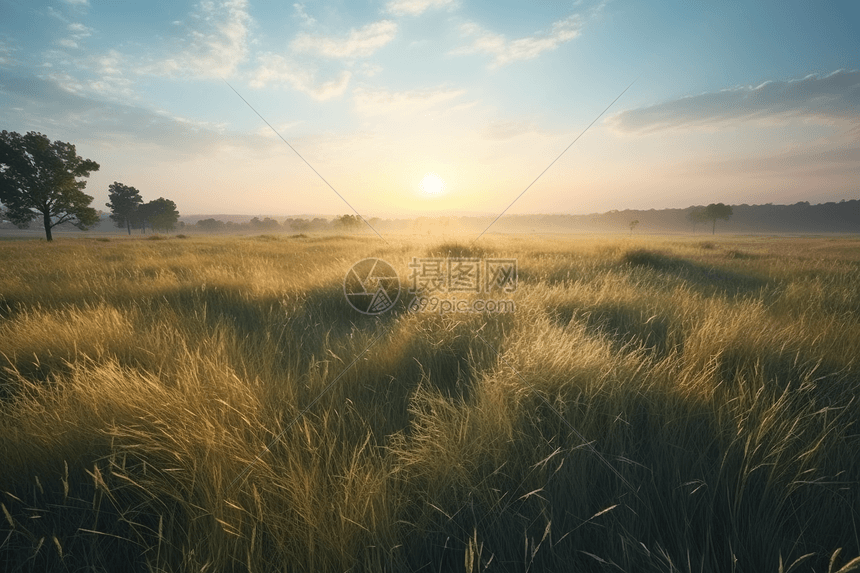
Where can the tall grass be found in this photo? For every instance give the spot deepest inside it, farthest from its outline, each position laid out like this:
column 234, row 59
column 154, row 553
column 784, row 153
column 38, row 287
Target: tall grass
column 213, row 404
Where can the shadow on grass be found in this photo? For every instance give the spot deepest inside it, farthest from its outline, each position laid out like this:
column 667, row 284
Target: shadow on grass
column 705, row 279
column 623, row 325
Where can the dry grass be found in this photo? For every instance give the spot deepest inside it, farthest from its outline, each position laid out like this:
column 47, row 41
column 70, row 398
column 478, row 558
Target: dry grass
column 213, row 404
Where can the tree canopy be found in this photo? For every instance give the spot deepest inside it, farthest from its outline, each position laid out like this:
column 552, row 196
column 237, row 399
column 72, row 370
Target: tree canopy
column 633, row 224
column 716, row 211
column 38, row 177
column 124, row 203
column 160, row 214
column 349, row 221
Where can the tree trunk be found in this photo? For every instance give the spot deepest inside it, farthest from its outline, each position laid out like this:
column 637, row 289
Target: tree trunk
column 46, row 218
column 128, row 225
column 714, row 228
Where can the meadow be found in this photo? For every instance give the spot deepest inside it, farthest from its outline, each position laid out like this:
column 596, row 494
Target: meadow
column 677, row 403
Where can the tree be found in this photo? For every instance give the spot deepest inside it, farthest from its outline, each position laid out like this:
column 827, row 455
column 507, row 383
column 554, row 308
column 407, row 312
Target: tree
column 716, row 211
column 160, row 213
column 211, row 224
column 298, row 224
column 124, row 203
column 633, row 224
column 697, row 216
column 349, row 221
column 40, row 177
column 267, row 224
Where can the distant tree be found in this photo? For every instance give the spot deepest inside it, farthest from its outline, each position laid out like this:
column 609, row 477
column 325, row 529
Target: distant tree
column 298, row 224
column 349, row 221
column 633, row 224
column 697, row 216
column 267, row 224
column 716, row 211
column 38, row 177
column 318, row 224
column 212, row 225
column 124, row 202
column 160, row 214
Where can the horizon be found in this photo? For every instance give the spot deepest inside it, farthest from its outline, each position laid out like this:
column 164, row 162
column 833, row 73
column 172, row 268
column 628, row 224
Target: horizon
column 432, row 107
column 466, row 214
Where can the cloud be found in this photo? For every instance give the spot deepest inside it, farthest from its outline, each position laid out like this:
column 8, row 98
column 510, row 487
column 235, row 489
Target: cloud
column 281, row 128
column 278, row 69
column 6, row 57
column 217, row 42
column 78, row 32
column 505, row 51
column 77, row 2
column 416, row 7
column 59, row 107
column 501, row 130
column 832, row 97
column 382, row 102
column 302, row 15
column 359, row 43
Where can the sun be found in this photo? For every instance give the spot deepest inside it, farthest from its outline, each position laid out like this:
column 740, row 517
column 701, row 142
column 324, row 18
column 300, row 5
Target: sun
column 432, row 184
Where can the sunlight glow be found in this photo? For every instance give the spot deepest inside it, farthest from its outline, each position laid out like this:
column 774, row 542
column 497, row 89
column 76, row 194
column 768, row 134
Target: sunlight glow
column 432, row 184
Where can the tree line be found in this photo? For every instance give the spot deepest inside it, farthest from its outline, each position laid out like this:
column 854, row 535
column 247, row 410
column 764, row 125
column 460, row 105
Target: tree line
column 39, row 179
column 341, row 223
column 128, row 210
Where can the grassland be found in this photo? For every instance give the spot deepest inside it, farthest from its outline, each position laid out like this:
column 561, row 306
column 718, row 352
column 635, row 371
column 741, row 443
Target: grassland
column 213, row 404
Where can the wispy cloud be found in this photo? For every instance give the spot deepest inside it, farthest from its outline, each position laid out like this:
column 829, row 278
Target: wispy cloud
column 501, row 130
column 277, row 69
column 302, row 15
column 77, row 32
column 62, row 107
column 381, row 102
column 834, row 96
column 77, row 2
column 416, row 7
column 6, row 51
column 505, row 51
column 359, row 43
column 217, row 42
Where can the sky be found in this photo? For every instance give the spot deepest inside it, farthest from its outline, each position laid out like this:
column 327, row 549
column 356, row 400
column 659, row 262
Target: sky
column 421, row 107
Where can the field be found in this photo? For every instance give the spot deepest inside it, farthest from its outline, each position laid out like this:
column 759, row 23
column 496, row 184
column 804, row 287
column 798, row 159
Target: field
column 215, row 404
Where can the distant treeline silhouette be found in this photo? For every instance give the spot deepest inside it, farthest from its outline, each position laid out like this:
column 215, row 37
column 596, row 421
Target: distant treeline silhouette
column 841, row 217
column 800, row 218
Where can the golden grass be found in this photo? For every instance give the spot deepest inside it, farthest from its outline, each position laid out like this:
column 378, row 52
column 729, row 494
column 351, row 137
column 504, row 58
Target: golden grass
column 213, row 404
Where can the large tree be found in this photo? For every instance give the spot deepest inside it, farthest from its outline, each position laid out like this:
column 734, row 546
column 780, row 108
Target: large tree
column 716, row 211
column 160, row 214
column 38, row 177
column 124, row 202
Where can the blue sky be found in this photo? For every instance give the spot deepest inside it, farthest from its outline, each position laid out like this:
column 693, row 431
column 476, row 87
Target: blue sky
column 733, row 102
